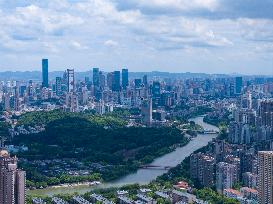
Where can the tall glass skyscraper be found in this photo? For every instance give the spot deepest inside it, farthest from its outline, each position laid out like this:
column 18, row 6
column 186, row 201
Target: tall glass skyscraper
column 45, row 72
column 116, row 81
column 96, row 77
column 125, row 80
column 238, row 85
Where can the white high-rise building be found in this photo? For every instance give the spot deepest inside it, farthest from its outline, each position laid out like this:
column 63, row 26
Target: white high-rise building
column 70, row 80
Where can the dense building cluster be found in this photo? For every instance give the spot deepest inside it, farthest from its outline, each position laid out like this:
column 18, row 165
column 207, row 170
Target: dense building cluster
column 239, row 166
column 244, row 159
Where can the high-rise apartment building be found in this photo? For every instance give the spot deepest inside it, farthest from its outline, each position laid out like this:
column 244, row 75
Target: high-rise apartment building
column 202, row 168
column 125, row 78
column 45, row 72
column 12, row 180
column 265, row 177
column 70, row 80
column 226, row 176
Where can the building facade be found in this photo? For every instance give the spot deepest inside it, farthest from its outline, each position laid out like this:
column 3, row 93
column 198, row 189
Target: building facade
column 12, row 180
column 265, row 177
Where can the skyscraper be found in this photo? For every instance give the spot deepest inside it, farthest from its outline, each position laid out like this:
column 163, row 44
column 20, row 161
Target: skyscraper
column 101, row 80
column 226, row 176
column 58, row 86
column 109, row 79
column 265, row 177
column 96, row 77
column 156, row 93
column 147, row 111
column 238, row 85
column 70, row 80
column 266, row 112
column 137, row 83
column 116, row 81
column 12, row 180
column 145, row 80
column 125, row 78
column 45, row 72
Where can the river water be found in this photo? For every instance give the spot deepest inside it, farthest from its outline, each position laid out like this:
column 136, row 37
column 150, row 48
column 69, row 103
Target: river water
column 144, row 176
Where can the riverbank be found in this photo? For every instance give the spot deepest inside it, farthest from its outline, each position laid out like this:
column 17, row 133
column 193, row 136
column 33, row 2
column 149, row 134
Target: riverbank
column 143, row 176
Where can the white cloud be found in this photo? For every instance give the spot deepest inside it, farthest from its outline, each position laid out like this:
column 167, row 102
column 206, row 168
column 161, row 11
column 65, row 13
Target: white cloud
column 180, row 4
column 111, row 43
column 78, row 45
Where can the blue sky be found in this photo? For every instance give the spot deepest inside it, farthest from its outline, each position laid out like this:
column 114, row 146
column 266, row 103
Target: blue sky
column 212, row 36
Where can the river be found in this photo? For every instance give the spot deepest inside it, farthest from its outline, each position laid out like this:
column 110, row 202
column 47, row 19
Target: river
column 144, row 176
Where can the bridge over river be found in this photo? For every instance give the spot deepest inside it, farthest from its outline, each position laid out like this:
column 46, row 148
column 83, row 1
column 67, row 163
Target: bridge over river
column 156, row 167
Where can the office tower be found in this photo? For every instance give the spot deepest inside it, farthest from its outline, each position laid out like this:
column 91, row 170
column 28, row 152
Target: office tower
column 109, row 79
column 45, row 72
column 58, row 86
column 70, row 80
column 265, row 177
column 156, row 93
column 16, row 99
column 96, row 77
column 156, row 89
column 266, row 112
column 86, row 80
column 7, row 102
column 102, row 80
column 202, row 168
column 226, row 176
column 137, row 83
column 125, row 78
column 146, row 111
column 12, row 180
column 97, row 82
column 145, row 80
column 238, row 85
column 116, row 81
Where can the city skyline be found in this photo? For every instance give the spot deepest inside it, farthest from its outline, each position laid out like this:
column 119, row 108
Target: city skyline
column 210, row 36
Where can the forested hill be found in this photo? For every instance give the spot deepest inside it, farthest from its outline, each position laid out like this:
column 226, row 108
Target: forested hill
column 94, row 138
column 44, row 118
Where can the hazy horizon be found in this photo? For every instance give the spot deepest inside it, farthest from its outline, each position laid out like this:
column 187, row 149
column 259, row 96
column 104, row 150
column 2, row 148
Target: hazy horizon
column 199, row 36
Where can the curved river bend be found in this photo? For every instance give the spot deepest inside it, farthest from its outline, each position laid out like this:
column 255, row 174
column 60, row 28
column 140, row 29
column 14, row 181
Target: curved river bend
column 144, row 176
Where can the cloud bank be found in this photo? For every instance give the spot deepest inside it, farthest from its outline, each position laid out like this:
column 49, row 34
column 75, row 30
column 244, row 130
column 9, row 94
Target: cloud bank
column 215, row 36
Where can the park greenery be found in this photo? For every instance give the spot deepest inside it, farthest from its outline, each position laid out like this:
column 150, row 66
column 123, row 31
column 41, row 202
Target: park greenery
column 92, row 139
column 45, row 117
